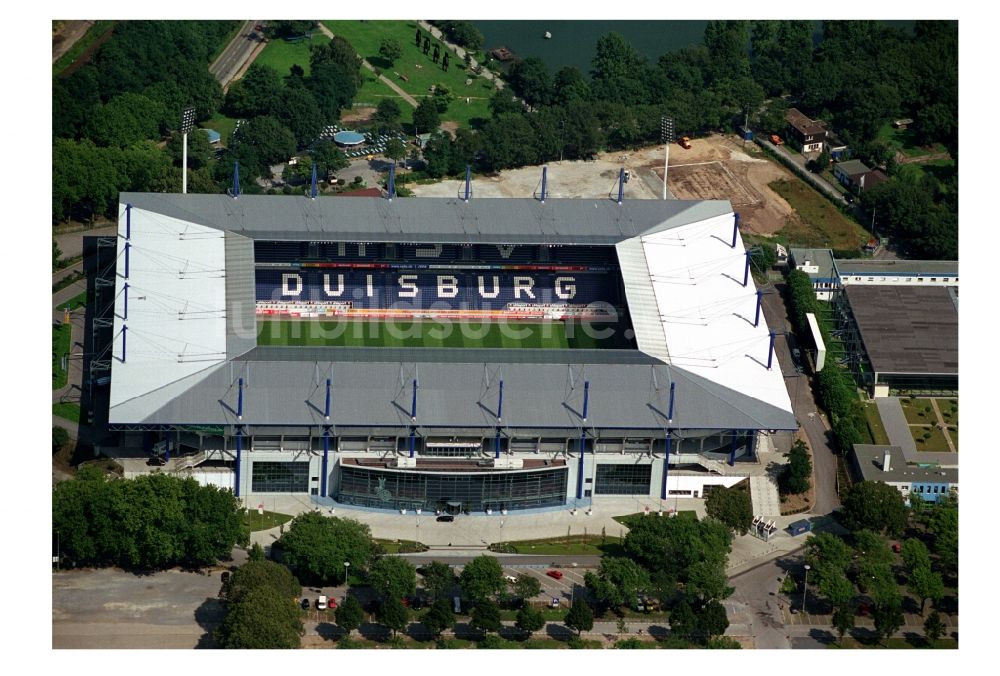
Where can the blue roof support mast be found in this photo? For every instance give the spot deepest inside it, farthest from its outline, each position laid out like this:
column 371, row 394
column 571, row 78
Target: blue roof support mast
column 326, row 440
column 128, row 221
column 746, row 269
column 313, row 191
column 125, row 292
column 392, row 180
column 770, row 351
column 666, row 465
column 128, row 247
column 732, row 449
column 239, row 454
column 736, row 228
column 670, row 411
column 239, row 401
column 545, row 171
column 468, row 182
column 583, row 441
column 756, row 318
column 124, row 331
column 621, row 186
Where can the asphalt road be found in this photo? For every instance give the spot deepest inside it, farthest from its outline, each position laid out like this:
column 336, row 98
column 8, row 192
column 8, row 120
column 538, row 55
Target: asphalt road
column 806, row 410
column 236, row 53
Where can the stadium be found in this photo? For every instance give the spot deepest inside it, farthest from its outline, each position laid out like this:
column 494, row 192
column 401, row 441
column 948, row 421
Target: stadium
column 437, row 354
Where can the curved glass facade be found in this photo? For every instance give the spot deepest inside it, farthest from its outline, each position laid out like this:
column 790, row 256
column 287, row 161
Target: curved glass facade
column 477, row 491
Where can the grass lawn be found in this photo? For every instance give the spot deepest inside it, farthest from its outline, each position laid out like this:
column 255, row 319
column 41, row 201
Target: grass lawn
column 934, row 444
column 875, row 426
column 903, row 139
column 420, row 71
column 627, row 519
column 337, row 333
column 823, row 224
column 401, row 546
column 222, row 124
column 80, row 46
column 575, row 544
column 953, row 433
column 374, row 90
column 76, row 301
column 281, row 55
column 60, row 347
column 67, row 410
column 916, row 412
column 265, row 521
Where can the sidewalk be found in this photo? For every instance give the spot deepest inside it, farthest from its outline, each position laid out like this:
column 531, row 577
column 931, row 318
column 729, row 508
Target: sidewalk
column 460, row 53
column 392, row 85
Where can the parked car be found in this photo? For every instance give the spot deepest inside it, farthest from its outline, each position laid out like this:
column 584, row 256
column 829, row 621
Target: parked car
column 685, row 142
column 305, row 604
column 776, row 140
column 156, row 461
column 446, row 518
column 510, row 578
column 321, row 603
column 556, row 574
column 555, row 602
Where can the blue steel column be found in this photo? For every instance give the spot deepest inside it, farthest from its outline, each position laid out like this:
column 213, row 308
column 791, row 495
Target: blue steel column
column 128, row 221
column 124, row 329
column 496, row 445
column 666, row 467
column 239, row 457
column 770, row 351
column 736, row 228
column 746, row 269
column 732, row 449
column 166, row 454
column 756, row 317
column 579, row 472
column 326, row 454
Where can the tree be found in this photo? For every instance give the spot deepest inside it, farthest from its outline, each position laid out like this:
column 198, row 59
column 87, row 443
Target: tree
column 482, row 578
column 843, row 619
column 439, row 617
column 618, row 71
column 298, row 111
column 580, row 616
column 486, row 615
column 834, row 585
column 888, row 620
column 60, row 437
column 712, row 620
column 262, row 619
column 393, row 615
column 438, row 580
column 349, row 614
column 262, row 573
column 731, row 507
column 395, row 149
column 442, row 98
column 707, row 580
column 683, row 621
column 527, row 587
column 618, row 581
column 256, row 552
column 426, row 117
column 390, row 50
column 328, row 158
column 726, row 42
column 925, row 584
column 531, row 81
column 257, row 93
column 393, row 577
column 933, row 626
column 798, row 472
column 316, row 547
column 387, row 115
column 529, row 619
column 464, row 34
column 672, row 547
column 876, row 506
column 943, row 525
column 266, row 138
column 126, row 119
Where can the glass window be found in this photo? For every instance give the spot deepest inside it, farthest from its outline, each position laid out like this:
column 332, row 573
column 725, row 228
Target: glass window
column 623, row 479
column 280, row 477
column 370, row 487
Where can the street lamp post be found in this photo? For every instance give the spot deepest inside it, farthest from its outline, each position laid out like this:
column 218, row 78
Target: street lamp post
column 805, row 588
column 187, row 123
column 347, row 564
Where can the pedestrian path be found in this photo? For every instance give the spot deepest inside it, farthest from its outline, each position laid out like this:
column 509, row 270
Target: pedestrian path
column 898, row 431
column 392, row 85
column 764, row 497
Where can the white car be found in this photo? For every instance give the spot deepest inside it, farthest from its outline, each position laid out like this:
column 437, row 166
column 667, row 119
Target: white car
column 321, row 603
column 510, row 578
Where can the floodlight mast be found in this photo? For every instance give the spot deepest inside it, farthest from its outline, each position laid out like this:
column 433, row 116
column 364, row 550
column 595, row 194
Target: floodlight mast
column 667, row 136
column 187, row 123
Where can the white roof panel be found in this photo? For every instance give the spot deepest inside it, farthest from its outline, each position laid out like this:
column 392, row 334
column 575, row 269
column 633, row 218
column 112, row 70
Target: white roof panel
column 707, row 314
column 176, row 321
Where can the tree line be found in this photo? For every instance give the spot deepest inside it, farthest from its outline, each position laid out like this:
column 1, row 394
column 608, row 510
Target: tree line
column 151, row 522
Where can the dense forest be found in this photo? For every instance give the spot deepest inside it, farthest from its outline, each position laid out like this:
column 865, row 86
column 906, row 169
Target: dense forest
column 109, row 115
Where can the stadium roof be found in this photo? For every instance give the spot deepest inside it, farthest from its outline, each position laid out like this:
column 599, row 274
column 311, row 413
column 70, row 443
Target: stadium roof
column 191, row 328
column 428, row 219
column 907, row 329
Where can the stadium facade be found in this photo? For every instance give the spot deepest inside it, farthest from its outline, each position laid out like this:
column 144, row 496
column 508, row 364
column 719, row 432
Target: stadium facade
column 681, row 395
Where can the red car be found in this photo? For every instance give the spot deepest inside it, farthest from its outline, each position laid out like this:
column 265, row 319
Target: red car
column 557, row 574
